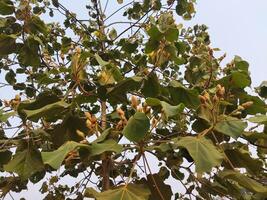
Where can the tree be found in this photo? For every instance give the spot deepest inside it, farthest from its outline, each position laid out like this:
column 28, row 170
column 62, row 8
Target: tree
column 97, row 101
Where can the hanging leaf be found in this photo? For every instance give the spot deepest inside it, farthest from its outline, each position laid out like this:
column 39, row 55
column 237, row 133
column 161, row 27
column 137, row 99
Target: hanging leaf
column 100, row 61
column 112, row 34
column 123, row 192
column 262, row 89
column 137, row 127
column 25, row 163
column 168, row 110
column 230, row 126
column 179, row 94
column 30, row 47
column 47, row 111
column 244, row 181
column 6, row 7
column 159, row 190
column 204, row 153
column 151, row 86
column 7, row 44
column 55, row 158
column 107, row 145
column 241, row 158
column 260, row 119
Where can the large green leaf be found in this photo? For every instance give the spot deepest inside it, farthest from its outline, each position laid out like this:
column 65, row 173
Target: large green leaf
column 124, row 192
column 7, row 44
column 204, row 153
column 47, row 111
column 55, row 158
column 244, row 181
column 180, row 94
column 169, row 110
column 107, row 145
column 25, row 163
column 137, row 127
column 230, row 126
column 6, row 7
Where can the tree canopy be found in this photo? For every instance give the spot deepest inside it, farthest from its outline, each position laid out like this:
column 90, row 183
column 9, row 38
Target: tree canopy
column 126, row 102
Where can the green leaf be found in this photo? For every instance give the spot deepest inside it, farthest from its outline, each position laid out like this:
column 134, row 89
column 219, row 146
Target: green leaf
column 10, row 77
column 260, row 119
column 25, row 163
column 103, row 136
column 151, row 86
column 107, row 145
column 244, row 181
column 4, row 116
column 7, row 44
column 180, row 94
column 237, row 79
column 204, row 153
column 137, row 127
column 241, row 158
column 123, row 192
column 30, row 47
column 37, row 25
column 112, row 34
column 46, row 111
column 5, row 157
column 262, row 89
column 55, row 158
column 100, row 61
column 169, row 110
column 172, row 34
column 230, row 126
column 6, row 7
column 158, row 188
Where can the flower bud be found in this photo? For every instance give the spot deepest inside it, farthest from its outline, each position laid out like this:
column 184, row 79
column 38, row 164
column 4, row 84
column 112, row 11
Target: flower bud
column 247, row 104
column 120, row 112
column 134, row 101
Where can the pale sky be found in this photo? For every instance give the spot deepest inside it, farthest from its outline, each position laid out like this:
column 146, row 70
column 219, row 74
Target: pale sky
column 237, row 27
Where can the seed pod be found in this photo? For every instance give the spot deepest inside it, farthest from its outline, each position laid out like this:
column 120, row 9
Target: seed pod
column 88, row 115
column 202, row 99
column 215, row 99
column 206, row 96
column 93, row 120
column 78, row 50
column 247, row 104
column 80, row 133
column 154, row 122
column 134, row 101
column 240, row 108
column 120, row 112
column 88, row 124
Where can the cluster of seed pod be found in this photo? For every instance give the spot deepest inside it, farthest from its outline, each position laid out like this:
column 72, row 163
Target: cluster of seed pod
column 91, row 123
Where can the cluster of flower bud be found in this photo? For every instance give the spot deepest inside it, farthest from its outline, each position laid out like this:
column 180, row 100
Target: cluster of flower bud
column 13, row 103
column 123, row 120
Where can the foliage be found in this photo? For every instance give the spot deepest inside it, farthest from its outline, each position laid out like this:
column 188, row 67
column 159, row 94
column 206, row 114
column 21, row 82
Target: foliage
column 97, row 101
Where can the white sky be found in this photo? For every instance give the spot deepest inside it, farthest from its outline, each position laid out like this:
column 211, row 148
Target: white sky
column 237, row 27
